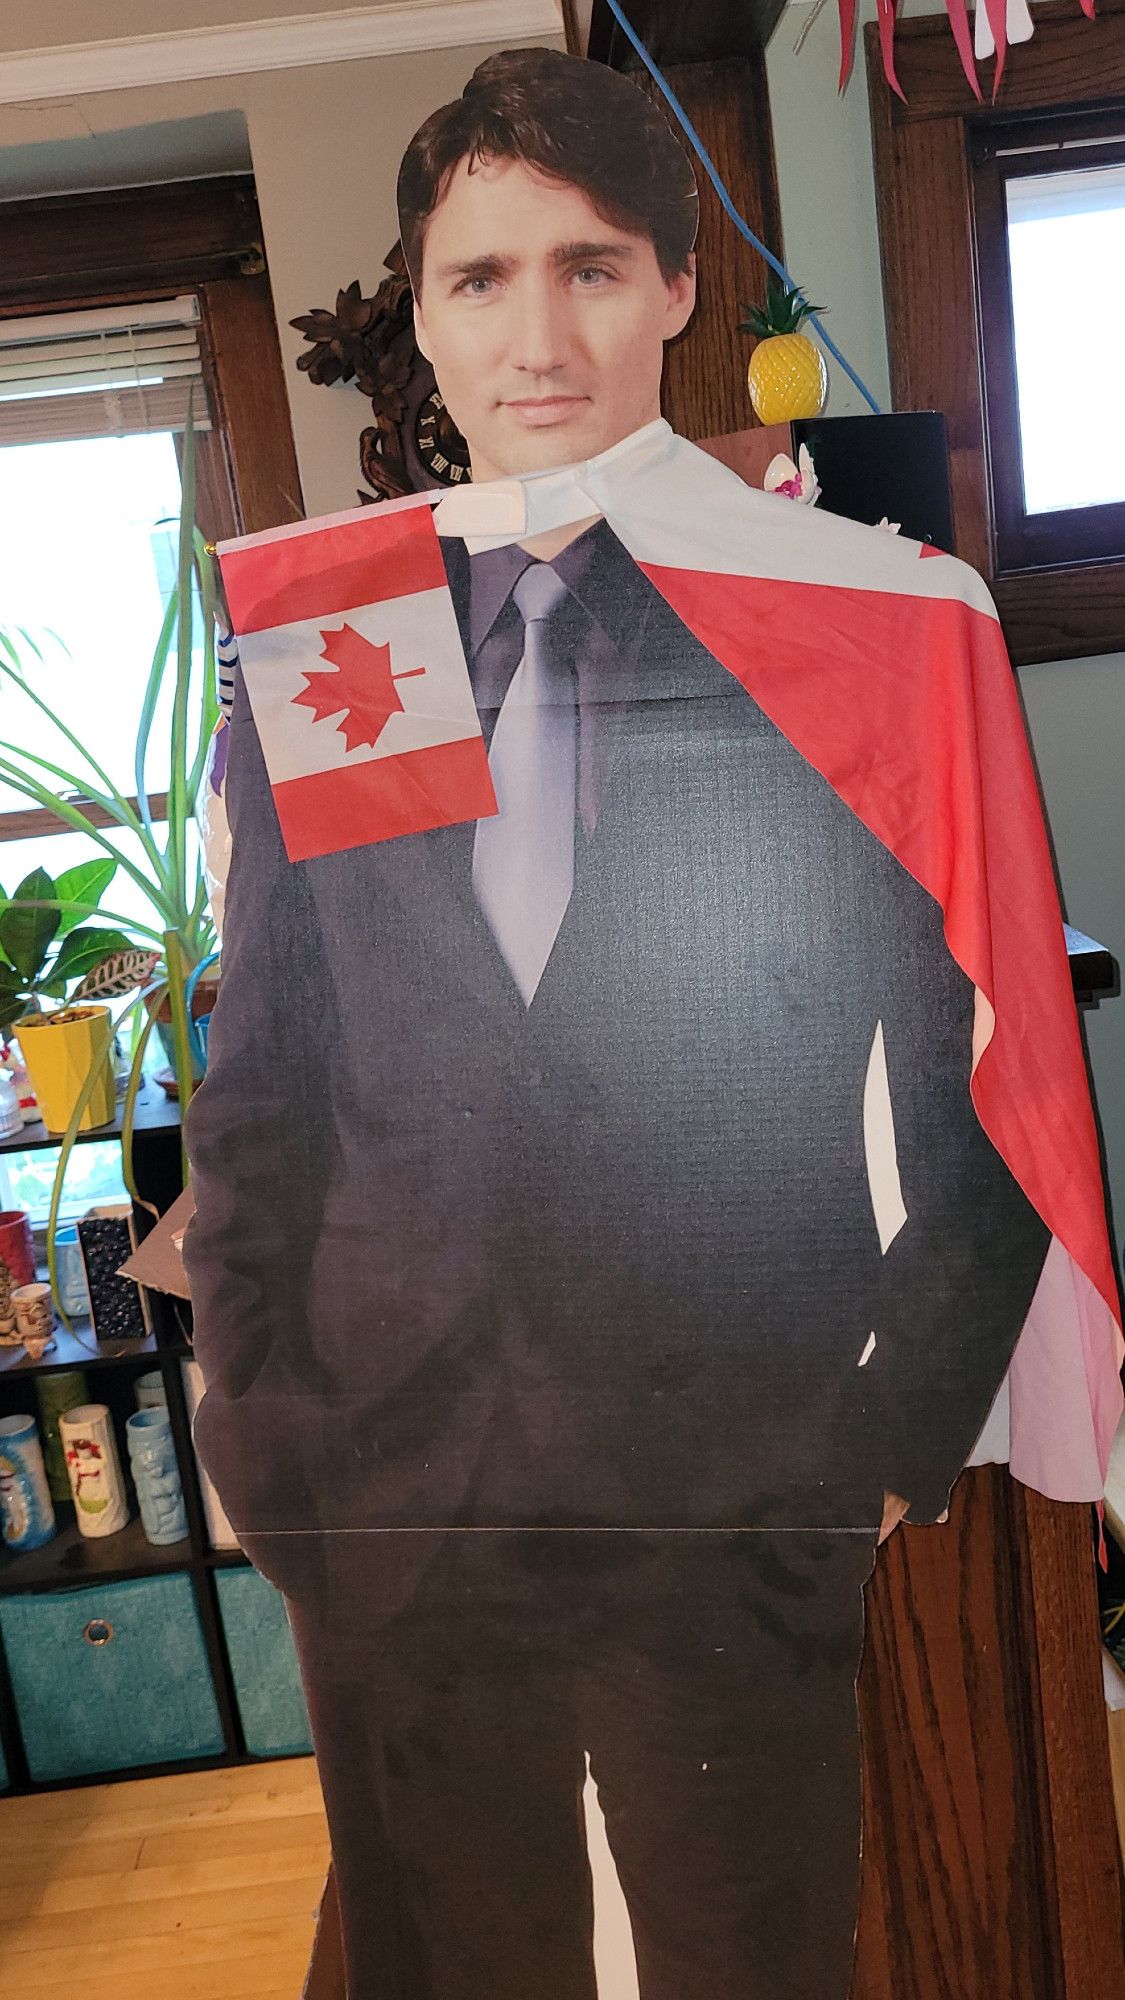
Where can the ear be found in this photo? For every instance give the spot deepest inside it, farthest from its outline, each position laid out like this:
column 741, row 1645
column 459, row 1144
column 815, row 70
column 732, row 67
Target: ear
column 420, row 333
column 681, row 300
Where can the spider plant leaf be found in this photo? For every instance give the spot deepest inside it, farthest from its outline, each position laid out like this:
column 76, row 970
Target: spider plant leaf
column 179, row 804
column 74, row 817
column 136, row 1074
column 148, row 706
column 118, row 808
column 66, row 1148
column 208, row 711
column 82, row 784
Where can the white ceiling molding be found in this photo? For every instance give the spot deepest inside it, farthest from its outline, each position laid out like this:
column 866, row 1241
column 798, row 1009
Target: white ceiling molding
column 345, row 35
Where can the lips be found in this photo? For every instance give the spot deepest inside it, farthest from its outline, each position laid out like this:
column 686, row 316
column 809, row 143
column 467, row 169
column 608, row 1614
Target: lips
column 540, row 411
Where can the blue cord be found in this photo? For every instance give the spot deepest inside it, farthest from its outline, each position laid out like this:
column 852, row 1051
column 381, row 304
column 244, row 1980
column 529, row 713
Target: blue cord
column 713, row 176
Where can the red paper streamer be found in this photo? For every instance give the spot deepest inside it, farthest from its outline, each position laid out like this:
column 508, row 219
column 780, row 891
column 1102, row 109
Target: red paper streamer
column 888, row 10
column 998, row 21
column 847, row 39
column 962, row 35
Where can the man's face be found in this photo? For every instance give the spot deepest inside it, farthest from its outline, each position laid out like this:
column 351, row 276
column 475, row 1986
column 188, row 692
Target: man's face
column 544, row 324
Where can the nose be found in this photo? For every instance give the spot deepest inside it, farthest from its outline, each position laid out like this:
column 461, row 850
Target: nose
column 539, row 333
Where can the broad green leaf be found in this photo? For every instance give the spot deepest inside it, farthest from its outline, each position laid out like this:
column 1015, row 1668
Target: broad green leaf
column 13, row 1003
column 86, row 883
column 26, row 934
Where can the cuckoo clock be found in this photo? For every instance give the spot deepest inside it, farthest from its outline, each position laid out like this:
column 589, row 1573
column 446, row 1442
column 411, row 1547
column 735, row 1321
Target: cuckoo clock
column 413, row 443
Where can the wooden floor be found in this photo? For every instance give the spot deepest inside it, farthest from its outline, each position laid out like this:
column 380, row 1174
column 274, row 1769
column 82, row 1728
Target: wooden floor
column 198, row 1887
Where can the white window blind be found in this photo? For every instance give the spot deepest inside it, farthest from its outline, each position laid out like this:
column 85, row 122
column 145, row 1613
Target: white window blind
column 103, row 372
column 1062, row 196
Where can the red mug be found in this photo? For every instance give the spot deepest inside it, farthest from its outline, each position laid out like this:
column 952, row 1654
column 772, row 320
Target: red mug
column 16, row 1248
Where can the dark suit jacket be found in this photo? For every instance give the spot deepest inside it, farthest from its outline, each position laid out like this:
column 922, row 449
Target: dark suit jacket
column 610, row 1260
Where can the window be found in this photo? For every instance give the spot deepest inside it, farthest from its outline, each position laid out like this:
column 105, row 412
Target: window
column 92, row 404
column 93, row 1174
column 1049, row 199
column 1003, row 242
column 111, row 306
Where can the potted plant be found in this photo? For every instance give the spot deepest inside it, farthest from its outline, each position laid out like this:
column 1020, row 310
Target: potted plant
column 48, row 953
column 180, row 934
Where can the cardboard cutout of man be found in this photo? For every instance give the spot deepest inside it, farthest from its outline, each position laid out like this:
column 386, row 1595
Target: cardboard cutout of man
column 560, row 1364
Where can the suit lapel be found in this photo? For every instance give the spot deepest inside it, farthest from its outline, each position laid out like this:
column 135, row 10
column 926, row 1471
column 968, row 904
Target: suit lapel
column 429, row 876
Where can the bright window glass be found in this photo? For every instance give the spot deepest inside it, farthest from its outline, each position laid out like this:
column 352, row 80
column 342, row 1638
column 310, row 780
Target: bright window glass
column 93, row 1174
column 88, row 533
column 1066, row 241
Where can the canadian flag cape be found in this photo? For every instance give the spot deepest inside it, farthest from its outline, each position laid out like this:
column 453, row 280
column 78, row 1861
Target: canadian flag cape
column 883, row 662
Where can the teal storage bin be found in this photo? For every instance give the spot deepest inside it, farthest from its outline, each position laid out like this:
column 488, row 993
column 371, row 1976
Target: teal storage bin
column 110, row 1677
column 263, row 1659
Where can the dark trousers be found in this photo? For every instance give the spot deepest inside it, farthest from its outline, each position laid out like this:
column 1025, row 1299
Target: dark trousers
column 709, row 1678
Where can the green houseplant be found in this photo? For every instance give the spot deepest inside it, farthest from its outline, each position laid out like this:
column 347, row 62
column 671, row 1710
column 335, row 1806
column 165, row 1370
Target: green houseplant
column 180, row 933
column 46, row 954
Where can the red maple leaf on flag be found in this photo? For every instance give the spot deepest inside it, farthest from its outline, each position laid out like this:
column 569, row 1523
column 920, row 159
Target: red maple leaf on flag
column 361, row 689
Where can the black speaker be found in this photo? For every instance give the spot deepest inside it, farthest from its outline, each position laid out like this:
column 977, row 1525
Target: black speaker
column 895, row 465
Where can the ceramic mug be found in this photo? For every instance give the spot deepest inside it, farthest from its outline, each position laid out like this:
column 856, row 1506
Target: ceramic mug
column 35, row 1317
column 97, row 1485
column 149, row 1391
column 17, row 1250
column 17, row 1267
column 27, row 1518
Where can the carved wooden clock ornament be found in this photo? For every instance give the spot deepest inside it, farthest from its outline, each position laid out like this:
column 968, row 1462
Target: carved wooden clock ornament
column 413, row 443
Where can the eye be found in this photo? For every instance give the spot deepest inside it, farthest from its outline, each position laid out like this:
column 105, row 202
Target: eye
column 477, row 285
column 591, row 275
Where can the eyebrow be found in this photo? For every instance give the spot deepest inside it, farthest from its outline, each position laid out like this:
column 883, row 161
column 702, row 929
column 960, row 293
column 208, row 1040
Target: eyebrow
column 493, row 264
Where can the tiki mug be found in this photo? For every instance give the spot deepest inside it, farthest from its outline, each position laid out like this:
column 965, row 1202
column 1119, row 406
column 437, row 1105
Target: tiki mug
column 35, row 1317
column 26, row 1513
column 8, row 1335
column 156, row 1476
column 150, row 1392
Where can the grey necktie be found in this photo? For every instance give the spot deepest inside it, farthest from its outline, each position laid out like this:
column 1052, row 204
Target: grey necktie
column 523, row 859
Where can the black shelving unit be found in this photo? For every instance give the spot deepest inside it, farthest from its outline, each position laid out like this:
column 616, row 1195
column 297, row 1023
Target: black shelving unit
column 71, row 1560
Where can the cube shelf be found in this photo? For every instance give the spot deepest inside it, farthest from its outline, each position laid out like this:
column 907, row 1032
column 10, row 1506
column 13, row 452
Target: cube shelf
column 175, row 1587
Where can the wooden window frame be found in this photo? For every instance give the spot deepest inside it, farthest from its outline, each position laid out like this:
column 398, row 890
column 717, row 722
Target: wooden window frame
column 118, row 247
column 1067, row 534
column 947, row 296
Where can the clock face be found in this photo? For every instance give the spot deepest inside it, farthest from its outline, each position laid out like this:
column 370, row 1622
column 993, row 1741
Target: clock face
column 439, row 443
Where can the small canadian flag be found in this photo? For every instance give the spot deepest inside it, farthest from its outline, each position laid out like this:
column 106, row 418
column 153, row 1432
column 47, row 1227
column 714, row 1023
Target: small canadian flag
column 357, row 679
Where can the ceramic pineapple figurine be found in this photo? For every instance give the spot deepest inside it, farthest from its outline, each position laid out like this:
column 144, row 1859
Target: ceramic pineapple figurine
column 787, row 375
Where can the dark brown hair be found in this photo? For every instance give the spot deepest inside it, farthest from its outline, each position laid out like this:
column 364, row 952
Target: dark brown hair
column 576, row 122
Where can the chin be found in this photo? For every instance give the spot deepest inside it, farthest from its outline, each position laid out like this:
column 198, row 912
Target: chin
column 542, row 450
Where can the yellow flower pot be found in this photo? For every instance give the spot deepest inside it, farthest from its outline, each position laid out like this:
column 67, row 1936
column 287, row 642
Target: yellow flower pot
column 60, row 1050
